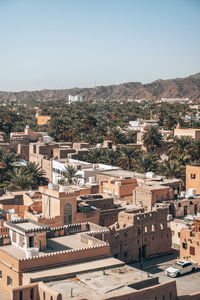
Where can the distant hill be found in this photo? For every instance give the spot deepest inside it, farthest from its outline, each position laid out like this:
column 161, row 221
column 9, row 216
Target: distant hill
column 180, row 87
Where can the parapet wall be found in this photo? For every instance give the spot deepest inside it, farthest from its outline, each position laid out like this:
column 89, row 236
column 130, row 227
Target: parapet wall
column 165, row 291
column 35, row 291
column 64, row 257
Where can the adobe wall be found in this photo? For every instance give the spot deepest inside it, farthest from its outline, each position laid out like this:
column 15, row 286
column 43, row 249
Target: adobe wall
column 28, row 292
column 93, row 217
column 12, row 273
column 46, row 165
column 162, row 291
column 4, row 231
column 179, row 132
column 147, row 231
column 193, row 182
column 125, row 188
column 190, row 245
column 146, row 197
column 108, row 217
column 23, row 151
column 189, row 203
column 195, row 296
column 47, row 293
column 64, row 257
column 105, row 203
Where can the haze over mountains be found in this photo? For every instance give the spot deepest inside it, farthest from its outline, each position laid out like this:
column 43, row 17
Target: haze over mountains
column 180, row 87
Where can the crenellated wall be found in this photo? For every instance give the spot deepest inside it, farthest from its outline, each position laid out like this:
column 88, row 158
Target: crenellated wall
column 64, row 257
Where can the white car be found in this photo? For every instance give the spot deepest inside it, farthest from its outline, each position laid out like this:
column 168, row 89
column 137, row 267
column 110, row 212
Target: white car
column 181, row 267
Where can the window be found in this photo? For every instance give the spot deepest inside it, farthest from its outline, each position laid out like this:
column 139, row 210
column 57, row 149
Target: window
column 0, row 274
column 125, row 254
column 179, row 205
column 184, row 245
column 125, row 234
column 9, row 280
column 191, row 203
column 179, row 234
column 20, row 295
column 186, row 265
column 192, row 176
column 170, row 295
column 32, row 294
column 192, row 250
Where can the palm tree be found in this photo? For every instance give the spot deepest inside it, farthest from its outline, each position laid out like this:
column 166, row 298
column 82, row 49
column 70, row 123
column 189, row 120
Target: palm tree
column 146, row 163
column 70, row 175
column 94, row 155
column 152, row 138
column 116, row 136
column 182, row 149
column 18, row 180
column 110, row 157
column 172, row 169
column 195, row 153
column 37, row 174
column 127, row 156
column 6, row 163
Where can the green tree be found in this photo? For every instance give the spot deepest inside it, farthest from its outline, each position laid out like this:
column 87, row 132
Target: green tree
column 152, row 138
column 172, row 169
column 18, row 180
column 35, row 172
column 146, row 163
column 70, row 175
column 127, row 157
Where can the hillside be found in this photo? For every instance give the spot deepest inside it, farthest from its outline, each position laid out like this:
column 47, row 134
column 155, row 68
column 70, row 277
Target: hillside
column 179, row 87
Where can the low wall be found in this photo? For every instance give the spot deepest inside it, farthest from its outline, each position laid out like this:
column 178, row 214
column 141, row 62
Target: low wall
column 27, row 292
column 165, row 291
column 63, row 257
column 195, row 296
column 35, row 291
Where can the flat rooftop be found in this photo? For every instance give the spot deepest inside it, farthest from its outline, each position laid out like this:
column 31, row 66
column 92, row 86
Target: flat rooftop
column 114, row 281
column 25, row 226
column 119, row 173
column 62, row 243
column 71, row 270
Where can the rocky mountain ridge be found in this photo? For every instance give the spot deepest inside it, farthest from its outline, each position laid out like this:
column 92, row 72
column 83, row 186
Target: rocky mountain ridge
column 180, row 87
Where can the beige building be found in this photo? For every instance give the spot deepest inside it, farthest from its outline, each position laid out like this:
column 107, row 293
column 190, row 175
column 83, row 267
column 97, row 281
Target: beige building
column 193, row 178
column 191, row 132
column 190, row 242
column 147, row 195
column 119, row 189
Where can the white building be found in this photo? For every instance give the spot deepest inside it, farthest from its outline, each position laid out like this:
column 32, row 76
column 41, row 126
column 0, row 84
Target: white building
column 86, row 170
column 139, row 124
column 173, row 100
column 75, row 98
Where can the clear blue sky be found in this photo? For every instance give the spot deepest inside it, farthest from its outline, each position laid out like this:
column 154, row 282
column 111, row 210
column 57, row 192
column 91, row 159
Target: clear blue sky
column 83, row 43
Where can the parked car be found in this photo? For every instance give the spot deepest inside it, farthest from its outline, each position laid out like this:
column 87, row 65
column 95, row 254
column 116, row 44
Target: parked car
column 181, row 267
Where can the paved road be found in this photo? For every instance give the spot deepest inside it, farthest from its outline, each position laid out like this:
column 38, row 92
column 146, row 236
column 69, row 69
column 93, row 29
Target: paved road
column 186, row 284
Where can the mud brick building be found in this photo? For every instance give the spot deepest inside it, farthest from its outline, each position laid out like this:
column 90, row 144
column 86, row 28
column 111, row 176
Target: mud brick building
column 193, row 177
column 137, row 235
column 190, row 242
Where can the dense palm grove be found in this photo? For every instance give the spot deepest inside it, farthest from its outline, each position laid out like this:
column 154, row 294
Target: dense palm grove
column 95, row 122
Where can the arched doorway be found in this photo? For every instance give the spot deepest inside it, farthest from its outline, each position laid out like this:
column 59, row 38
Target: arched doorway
column 68, row 213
